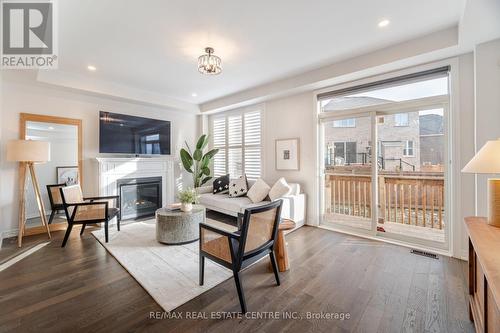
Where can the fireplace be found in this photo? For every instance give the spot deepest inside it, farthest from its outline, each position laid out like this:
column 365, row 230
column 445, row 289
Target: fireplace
column 139, row 197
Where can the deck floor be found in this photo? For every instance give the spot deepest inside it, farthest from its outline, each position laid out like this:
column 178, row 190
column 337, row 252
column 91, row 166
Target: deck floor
column 431, row 234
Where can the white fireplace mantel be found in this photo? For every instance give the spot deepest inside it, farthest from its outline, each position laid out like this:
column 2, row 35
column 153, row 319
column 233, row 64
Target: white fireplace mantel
column 112, row 169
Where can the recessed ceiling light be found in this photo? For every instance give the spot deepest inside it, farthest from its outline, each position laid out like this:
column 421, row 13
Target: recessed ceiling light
column 91, row 68
column 51, row 128
column 194, row 94
column 383, row 23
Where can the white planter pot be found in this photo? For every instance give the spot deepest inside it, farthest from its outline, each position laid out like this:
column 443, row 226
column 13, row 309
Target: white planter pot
column 186, row 207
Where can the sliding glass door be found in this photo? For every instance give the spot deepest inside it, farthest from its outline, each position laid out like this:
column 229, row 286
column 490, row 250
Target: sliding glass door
column 383, row 162
column 347, row 171
column 411, row 174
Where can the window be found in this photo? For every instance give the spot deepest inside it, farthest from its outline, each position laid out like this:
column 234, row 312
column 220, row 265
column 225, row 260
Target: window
column 408, row 149
column 345, row 153
column 345, row 123
column 151, row 143
column 401, row 119
column 238, row 138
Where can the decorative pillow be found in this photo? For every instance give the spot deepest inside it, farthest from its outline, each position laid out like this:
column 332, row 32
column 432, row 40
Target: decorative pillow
column 258, row 191
column 221, row 185
column 279, row 189
column 238, row 187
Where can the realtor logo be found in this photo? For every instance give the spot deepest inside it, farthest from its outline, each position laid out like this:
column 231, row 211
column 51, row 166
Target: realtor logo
column 28, row 35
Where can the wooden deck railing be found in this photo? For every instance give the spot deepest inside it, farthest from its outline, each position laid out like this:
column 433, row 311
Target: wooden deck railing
column 407, row 199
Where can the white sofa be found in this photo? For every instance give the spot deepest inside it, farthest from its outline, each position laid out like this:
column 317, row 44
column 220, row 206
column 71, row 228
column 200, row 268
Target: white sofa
column 294, row 204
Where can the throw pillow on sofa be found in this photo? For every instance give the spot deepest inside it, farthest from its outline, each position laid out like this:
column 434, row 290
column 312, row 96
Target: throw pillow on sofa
column 221, row 185
column 238, row 187
column 259, row 191
column 279, row 189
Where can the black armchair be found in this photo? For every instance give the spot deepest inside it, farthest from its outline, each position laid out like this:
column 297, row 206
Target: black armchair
column 80, row 210
column 56, row 204
column 237, row 250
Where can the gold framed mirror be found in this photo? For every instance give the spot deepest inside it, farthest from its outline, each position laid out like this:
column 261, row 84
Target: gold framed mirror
column 64, row 166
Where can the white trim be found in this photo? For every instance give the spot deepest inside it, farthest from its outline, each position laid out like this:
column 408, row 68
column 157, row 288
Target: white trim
column 374, row 189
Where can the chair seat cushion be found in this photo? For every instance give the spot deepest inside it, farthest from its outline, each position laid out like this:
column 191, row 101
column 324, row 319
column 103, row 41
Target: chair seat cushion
column 112, row 212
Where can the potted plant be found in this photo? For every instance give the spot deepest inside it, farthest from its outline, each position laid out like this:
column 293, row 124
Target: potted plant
column 187, row 198
column 198, row 163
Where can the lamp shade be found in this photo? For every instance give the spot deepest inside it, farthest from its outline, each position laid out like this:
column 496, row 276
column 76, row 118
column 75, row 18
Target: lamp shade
column 28, row 151
column 486, row 160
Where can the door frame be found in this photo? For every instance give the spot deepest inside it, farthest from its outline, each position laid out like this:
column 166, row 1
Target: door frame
column 438, row 102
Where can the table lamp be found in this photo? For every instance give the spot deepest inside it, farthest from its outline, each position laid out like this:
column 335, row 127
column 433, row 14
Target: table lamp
column 487, row 160
column 28, row 152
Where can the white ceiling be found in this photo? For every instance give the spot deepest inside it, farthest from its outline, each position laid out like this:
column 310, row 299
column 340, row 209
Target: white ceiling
column 153, row 45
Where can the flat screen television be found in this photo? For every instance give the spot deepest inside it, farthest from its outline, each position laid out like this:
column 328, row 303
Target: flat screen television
column 124, row 134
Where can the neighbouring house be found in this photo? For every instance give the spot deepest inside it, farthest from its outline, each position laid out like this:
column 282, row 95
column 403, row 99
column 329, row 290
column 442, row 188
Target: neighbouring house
column 406, row 141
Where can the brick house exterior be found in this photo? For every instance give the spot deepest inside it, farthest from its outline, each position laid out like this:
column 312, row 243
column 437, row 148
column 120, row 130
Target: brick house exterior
column 349, row 141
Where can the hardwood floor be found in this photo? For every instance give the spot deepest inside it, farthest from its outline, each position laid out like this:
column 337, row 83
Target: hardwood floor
column 382, row 287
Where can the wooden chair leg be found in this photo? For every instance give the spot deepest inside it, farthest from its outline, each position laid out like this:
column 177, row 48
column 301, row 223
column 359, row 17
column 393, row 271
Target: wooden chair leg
column 118, row 222
column 52, row 214
column 239, row 289
column 83, row 228
column 202, row 269
column 106, row 233
column 66, row 235
column 275, row 267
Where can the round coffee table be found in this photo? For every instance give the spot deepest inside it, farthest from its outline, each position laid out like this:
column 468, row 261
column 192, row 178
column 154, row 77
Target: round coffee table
column 177, row 227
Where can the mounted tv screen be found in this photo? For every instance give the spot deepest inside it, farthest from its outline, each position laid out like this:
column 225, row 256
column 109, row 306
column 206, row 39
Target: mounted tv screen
column 124, row 134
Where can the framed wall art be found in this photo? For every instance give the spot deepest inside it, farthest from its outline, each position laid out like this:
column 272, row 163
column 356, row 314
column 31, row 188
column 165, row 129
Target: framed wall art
column 287, row 154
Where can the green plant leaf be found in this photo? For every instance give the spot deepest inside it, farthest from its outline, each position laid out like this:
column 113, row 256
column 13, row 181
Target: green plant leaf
column 204, row 162
column 206, row 171
column 211, row 153
column 188, row 148
column 202, row 142
column 206, row 179
column 187, row 160
column 197, row 155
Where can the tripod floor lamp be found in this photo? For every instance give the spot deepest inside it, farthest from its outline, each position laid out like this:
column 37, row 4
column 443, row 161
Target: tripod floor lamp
column 28, row 152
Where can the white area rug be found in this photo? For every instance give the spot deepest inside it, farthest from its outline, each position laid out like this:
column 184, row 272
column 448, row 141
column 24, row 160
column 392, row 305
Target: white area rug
column 169, row 273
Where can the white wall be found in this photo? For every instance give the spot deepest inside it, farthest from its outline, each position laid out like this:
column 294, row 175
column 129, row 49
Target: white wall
column 463, row 144
column 487, row 89
column 22, row 96
column 292, row 117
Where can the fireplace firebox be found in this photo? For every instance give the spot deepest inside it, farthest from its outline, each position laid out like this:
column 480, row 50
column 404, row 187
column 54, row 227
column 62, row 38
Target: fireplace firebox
column 139, row 197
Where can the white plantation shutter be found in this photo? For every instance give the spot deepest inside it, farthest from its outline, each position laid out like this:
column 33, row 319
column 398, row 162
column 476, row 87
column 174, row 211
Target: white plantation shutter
column 235, row 163
column 219, row 141
column 252, row 147
column 234, row 128
column 238, row 137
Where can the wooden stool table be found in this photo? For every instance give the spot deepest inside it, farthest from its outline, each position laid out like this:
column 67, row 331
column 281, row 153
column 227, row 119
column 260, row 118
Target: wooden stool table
column 281, row 249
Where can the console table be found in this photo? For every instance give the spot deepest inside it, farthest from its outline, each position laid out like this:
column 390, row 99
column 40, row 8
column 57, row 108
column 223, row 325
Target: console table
column 484, row 274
